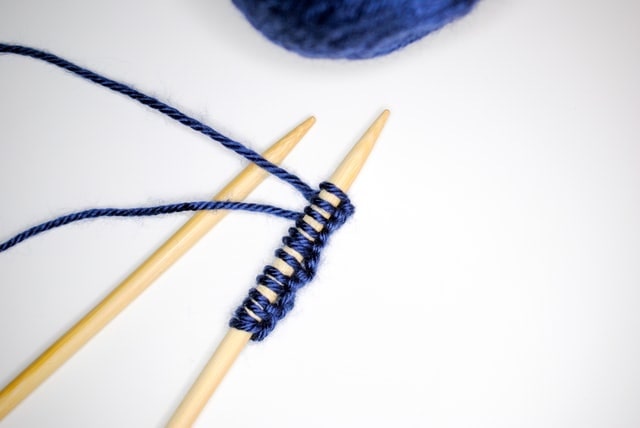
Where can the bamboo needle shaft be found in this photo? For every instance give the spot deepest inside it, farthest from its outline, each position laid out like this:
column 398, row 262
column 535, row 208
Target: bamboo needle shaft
column 235, row 340
column 194, row 229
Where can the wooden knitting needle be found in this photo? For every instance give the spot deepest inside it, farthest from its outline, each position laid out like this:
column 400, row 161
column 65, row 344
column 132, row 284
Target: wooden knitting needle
column 235, row 340
column 141, row 278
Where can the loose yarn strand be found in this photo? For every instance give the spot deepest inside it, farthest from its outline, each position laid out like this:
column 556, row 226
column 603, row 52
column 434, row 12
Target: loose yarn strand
column 165, row 109
column 146, row 211
column 257, row 314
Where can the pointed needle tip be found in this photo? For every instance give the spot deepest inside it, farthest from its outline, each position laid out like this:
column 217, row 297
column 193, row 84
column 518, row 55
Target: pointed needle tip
column 306, row 124
column 350, row 167
column 279, row 150
column 299, row 131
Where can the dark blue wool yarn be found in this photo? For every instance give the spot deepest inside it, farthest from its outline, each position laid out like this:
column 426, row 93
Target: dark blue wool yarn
column 353, row 29
column 145, row 211
column 163, row 108
column 257, row 314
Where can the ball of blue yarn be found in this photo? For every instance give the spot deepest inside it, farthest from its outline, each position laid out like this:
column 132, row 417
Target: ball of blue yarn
column 353, row 29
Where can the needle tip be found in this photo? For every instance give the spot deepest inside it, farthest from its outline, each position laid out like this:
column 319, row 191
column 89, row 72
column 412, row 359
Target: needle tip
column 350, row 167
column 277, row 152
column 306, row 124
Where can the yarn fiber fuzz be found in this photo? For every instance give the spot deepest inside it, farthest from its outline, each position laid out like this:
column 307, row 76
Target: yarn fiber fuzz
column 352, row 29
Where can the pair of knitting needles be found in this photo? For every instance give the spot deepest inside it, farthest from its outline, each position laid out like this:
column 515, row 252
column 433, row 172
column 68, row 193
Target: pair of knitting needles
column 177, row 245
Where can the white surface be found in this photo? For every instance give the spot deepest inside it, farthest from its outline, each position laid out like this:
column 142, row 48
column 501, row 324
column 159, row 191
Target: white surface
column 499, row 287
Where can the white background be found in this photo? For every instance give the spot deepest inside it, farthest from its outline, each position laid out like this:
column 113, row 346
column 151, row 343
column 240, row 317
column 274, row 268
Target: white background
column 490, row 277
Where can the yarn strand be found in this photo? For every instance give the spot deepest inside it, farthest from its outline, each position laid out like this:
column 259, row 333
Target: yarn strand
column 257, row 314
column 165, row 109
column 146, row 211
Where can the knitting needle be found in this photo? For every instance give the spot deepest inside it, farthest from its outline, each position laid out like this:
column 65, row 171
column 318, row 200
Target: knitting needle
column 235, row 340
column 143, row 276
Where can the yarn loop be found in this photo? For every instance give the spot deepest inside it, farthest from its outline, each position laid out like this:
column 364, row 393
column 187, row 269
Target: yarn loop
column 258, row 314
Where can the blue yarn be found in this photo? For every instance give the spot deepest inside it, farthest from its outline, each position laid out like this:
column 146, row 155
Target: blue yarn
column 303, row 238
column 352, row 29
column 310, row 248
column 146, row 211
column 165, row 109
